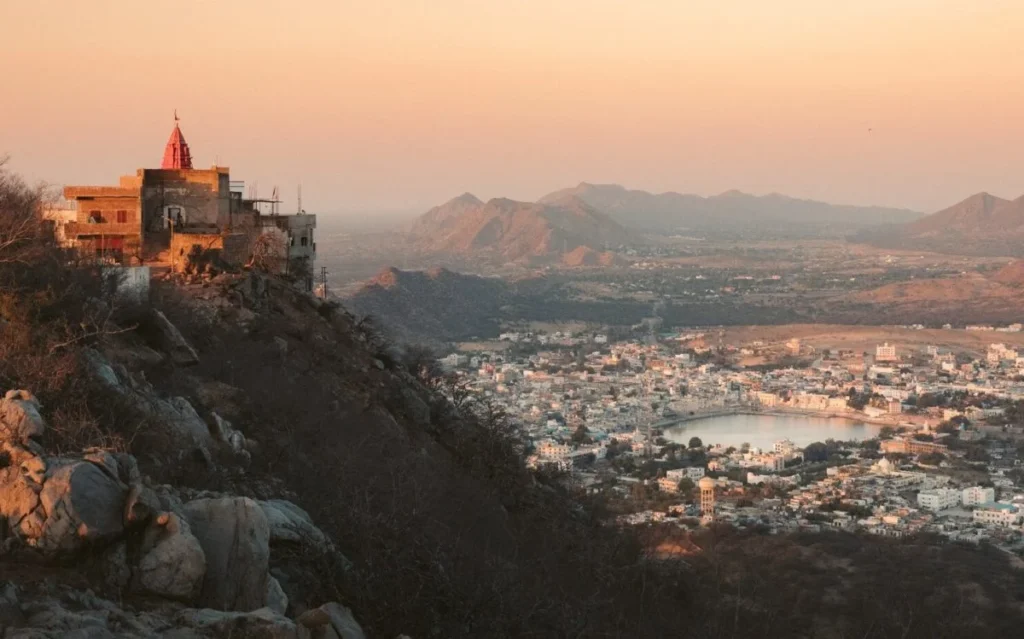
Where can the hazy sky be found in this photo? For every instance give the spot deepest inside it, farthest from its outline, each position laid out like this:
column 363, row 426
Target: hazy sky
column 395, row 105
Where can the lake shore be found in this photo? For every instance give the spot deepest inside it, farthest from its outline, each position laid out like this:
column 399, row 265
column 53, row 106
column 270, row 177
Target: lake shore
column 763, row 428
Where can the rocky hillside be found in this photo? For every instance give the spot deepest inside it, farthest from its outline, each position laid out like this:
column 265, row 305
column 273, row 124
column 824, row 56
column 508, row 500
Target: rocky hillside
column 230, row 457
column 516, row 231
column 982, row 224
column 732, row 211
column 432, row 307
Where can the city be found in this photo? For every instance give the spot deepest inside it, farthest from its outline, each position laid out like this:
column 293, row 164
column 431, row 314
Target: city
column 944, row 455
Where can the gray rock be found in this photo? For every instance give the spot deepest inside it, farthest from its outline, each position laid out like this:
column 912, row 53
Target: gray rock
column 117, row 573
column 180, row 351
column 83, row 504
column 235, row 537
column 262, row 623
column 179, row 413
column 75, row 504
column 333, row 616
column 173, row 563
column 20, row 420
column 226, row 434
column 102, row 370
column 141, row 505
column 275, row 599
column 289, row 523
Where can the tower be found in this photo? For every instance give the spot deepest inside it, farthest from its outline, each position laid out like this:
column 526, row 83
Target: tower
column 176, row 153
column 707, row 499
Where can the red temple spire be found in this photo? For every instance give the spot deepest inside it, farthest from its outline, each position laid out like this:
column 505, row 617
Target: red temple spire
column 176, row 153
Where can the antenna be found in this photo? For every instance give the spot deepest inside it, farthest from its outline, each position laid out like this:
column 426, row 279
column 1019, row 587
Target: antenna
column 300, row 199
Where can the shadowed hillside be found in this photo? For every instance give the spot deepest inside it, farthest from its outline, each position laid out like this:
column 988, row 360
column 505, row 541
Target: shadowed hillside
column 433, row 306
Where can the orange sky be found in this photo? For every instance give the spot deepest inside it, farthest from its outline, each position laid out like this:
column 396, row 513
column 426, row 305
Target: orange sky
column 381, row 105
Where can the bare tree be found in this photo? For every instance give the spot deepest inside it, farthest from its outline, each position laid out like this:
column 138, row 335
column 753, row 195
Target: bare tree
column 267, row 253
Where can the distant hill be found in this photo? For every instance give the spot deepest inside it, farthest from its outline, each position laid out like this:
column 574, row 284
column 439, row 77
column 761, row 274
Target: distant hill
column 514, row 231
column 968, row 298
column 1012, row 274
column 431, row 307
column 983, row 224
column 586, row 256
column 732, row 211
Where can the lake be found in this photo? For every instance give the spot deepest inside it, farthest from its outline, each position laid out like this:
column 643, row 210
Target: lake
column 764, row 430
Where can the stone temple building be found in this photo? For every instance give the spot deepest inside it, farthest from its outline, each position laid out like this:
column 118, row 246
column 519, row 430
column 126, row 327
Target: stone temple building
column 162, row 215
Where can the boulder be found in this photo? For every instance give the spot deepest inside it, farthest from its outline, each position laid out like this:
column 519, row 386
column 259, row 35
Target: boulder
column 114, row 566
column 173, row 562
column 289, row 523
column 180, row 351
column 19, row 501
column 20, row 420
column 235, row 537
column 331, row 617
column 225, row 433
column 61, row 505
column 179, row 413
column 141, row 505
column 275, row 598
column 81, row 503
column 262, row 623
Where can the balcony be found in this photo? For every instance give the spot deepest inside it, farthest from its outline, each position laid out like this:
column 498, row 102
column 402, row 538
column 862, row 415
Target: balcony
column 79, row 229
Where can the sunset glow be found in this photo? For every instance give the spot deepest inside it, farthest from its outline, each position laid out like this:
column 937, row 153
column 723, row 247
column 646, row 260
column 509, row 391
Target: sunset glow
column 401, row 105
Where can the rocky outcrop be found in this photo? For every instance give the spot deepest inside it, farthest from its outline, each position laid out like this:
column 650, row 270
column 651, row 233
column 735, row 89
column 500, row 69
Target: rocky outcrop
column 263, row 623
column 330, row 621
column 173, row 563
column 212, row 552
column 20, row 420
column 186, row 428
column 79, row 504
column 289, row 523
column 225, row 433
column 275, row 599
column 180, row 351
column 64, row 613
column 235, row 537
column 59, row 505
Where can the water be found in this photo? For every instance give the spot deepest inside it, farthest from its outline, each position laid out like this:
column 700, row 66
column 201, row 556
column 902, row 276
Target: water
column 764, row 430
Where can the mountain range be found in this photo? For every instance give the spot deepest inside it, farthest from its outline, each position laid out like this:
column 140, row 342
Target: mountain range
column 575, row 225
column 732, row 211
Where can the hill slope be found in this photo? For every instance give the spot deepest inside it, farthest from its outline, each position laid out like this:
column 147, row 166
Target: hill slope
column 433, row 306
column 730, row 211
column 982, row 224
column 514, row 230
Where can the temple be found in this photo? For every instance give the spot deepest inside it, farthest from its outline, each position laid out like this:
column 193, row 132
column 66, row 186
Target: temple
column 161, row 216
column 176, row 153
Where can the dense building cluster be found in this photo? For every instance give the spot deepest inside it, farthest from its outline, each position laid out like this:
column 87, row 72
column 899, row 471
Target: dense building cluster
column 602, row 410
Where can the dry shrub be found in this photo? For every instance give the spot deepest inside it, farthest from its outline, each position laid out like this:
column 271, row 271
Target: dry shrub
column 50, row 307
